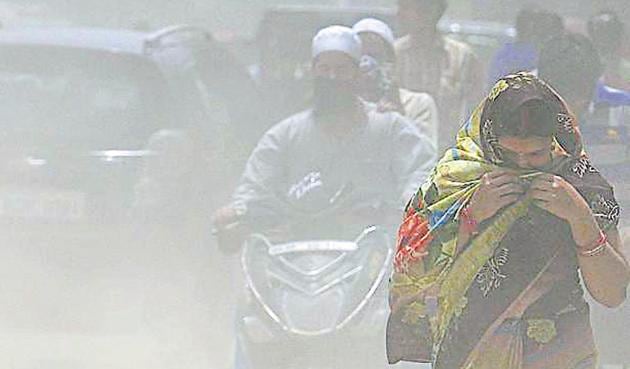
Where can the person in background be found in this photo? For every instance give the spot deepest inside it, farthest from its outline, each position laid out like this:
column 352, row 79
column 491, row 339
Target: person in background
column 571, row 65
column 608, row 34
column 520, row 55
column 243, row 101
column 376, row 159
column 533, row 28
column 378, row 67
column 279, row 74
column 498, row 246
column 549, row 25
column 169, row 187
column 436, row 64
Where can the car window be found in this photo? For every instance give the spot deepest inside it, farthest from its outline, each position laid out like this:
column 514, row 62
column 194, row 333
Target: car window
column 78, row 96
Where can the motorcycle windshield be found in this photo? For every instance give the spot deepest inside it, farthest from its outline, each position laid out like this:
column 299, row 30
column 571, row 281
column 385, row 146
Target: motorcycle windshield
column 316, row 287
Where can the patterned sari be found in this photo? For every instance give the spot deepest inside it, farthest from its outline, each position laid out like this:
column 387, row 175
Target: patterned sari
column 511, row 298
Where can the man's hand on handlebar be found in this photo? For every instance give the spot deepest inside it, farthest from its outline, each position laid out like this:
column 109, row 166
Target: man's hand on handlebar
column 224, row 217
column 228, row 229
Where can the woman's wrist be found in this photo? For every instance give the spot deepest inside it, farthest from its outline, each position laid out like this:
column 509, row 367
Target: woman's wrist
column 590, row 240
column 469, row 223
column 584, row 227
column 596, row 248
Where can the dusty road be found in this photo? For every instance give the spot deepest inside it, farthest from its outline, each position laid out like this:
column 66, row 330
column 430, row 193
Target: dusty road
column 152, row 300
column 134, row 298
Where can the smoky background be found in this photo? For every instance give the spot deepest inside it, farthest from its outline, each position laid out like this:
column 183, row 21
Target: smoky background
column 111, row 171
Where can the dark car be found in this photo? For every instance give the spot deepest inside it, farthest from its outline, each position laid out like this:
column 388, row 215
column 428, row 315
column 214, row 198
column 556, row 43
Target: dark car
column 113, row 150
column 80, row 105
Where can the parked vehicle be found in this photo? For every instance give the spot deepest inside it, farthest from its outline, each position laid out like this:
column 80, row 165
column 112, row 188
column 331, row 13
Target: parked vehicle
column 79, row 106
column 87, row 115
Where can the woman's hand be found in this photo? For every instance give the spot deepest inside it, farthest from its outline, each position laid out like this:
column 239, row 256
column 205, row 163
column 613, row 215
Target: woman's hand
column 606, row 276
column 498, row 189
column 559, row 197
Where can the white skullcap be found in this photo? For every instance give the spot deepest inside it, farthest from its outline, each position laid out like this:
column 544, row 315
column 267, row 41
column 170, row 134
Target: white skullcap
column 337, row 38
column 376, row 26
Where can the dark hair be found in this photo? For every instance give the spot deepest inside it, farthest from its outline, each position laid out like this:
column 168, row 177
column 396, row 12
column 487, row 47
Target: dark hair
column 441, row 5
column 532, row 118
column 607, row 32
column 525, row 20
column 547, row 25
column 570, row 64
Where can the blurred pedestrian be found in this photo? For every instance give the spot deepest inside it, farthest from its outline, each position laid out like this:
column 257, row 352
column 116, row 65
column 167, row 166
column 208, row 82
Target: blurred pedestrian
column 609, row 35
column 379, row 85
column 430, row 62
column 166, row 189
column 571, row 65
column 533, row 28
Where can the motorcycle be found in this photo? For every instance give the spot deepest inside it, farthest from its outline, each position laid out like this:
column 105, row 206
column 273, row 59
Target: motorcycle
column 314, row 301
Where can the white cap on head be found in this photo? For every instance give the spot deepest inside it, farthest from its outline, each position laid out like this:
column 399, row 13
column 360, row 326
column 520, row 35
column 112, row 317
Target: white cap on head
column 337, row 38
column 376, row 26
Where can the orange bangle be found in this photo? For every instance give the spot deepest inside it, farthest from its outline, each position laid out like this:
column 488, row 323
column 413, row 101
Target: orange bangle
column 470, row 225
column 597, row 248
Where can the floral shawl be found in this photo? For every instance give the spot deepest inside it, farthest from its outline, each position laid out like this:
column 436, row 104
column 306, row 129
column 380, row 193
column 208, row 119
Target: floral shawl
column 430, row 286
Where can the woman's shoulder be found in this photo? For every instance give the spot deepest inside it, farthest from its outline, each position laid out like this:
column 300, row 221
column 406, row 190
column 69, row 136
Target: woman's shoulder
column 594, row 187
column 581, row 171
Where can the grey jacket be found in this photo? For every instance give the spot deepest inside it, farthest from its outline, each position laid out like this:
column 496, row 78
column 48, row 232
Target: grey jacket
column 381, row 163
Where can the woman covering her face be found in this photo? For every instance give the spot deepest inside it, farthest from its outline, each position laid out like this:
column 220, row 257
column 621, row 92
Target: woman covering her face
column 492, row 245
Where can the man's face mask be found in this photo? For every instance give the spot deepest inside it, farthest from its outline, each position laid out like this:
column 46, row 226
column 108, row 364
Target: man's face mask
column 334, row 96
column 376, row 79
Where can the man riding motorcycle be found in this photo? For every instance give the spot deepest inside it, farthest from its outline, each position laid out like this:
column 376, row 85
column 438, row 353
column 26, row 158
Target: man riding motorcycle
column 341, row 141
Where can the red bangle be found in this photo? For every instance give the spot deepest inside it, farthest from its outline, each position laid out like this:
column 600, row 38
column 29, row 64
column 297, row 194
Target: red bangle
column 597, row 248
column 469, row 224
